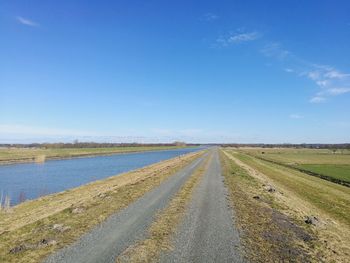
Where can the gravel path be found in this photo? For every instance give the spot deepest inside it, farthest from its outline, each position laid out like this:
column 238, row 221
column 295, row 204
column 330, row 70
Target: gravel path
column 207, row 233
column 105, row 242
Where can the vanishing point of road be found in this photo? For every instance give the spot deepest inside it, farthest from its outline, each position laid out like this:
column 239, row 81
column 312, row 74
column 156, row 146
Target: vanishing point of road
column 206, row 233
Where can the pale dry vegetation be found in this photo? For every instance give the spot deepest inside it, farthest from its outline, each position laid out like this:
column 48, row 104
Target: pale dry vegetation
column 267, row 235
column 299, row 196
column 36, row 228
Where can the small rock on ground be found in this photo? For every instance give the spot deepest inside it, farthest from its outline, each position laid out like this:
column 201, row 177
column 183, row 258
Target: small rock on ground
column 270, row 189
column 311, row 220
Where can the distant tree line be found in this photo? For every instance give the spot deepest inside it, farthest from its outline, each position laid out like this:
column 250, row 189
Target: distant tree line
column 287, row 145
column 77, row 144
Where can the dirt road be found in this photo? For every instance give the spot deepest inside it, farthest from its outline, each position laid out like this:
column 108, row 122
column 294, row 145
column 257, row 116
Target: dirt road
column 207, row 233
column 108, row 240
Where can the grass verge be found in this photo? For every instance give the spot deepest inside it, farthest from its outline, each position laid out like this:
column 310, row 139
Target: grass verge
column 165, row 224
column 300, row 196
column 34, row 229
column 331, row 198
column 267, row 235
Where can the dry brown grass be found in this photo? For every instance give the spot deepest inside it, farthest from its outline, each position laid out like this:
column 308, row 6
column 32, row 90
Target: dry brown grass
column 40, row 158
column 165, row 224
column 78, row 210
column 266, row 234
column 299, row 195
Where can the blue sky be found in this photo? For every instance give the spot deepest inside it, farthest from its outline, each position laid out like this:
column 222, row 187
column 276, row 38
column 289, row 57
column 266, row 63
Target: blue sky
column 157, row 71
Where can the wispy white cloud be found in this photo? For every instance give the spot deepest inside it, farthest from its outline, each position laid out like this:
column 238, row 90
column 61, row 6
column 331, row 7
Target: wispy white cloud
column 314, row 75
column 317, row 99
column 295, row 116
column 275, row 50
column 334, row 74
column 329, row 80
column 238, row 38
column 243, row 37
column 210, row 17
column 26, row 21
column 322, row 83
column 338, row 91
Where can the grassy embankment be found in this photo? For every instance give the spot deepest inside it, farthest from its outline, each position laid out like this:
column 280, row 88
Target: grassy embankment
column 267, row 235
column 165, row 224
column 299, row 195
column 34, row 229
column 329, row 165
column 18, row 155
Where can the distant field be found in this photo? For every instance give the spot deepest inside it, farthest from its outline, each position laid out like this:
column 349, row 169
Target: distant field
column 10, row 155
column 321, row 161
column 337, row 171
column 302, row 156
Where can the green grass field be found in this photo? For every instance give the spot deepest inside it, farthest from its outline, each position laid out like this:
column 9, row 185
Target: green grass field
column 321, row 161
column 338, row 171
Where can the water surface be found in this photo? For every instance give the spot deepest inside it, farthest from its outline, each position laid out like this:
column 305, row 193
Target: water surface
column 31, row 180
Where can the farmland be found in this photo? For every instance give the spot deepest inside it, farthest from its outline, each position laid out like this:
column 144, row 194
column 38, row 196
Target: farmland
column 331, row 163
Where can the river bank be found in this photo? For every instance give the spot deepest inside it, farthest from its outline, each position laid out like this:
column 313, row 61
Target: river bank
column 36, row 228
column 10, row 156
